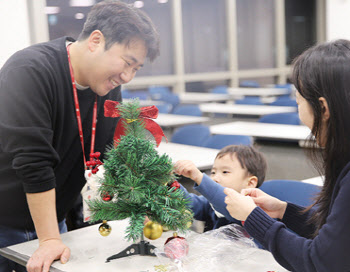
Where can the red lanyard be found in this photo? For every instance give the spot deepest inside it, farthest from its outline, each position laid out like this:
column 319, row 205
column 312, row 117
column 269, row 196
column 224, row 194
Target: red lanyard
column 77, row 110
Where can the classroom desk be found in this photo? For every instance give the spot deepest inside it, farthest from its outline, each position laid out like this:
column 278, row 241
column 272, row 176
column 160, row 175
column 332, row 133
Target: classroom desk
column 89, row 251
column 167, row 120
column 202, row 157
column 197, row 98
column 262, row 92
column 315, row 180
column 247, row 110
column 263, row 130
column 145, row 103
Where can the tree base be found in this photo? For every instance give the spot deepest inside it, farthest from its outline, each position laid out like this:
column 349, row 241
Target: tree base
column 142, row 248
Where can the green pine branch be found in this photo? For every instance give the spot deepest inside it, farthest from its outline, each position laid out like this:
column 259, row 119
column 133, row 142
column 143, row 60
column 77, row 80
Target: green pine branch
column 138, row 177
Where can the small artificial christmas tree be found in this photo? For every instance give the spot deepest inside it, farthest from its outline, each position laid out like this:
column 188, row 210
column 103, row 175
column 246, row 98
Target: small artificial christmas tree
column 137, row 180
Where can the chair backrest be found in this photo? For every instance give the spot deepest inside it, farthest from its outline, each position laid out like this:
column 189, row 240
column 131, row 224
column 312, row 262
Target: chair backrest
column 219, row 141
column 249, row 84
column 192, row 110
column 249, row 100
column 289, row 118
column 221, row 89
column 142, row 95
column 170, row 98
column 164, row 108
column 297, row 192
column 191, row 135
column 284, row 101
column 287, row 86
column 156, row 91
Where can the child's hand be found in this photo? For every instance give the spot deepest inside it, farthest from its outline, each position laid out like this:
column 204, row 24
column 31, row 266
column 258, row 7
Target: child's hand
column 189, row 170
column 274, row 207
column 146, row 220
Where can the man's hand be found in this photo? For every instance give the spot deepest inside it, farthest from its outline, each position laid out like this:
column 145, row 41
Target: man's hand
column 47, row 252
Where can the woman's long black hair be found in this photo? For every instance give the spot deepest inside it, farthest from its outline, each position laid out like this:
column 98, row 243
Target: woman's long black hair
column 324, row 71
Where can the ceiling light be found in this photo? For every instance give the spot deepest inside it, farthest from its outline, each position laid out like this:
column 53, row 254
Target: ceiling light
column 79, row 16
column 52, row 10
column 162, row 1
column 82, row 3
column 138, row 4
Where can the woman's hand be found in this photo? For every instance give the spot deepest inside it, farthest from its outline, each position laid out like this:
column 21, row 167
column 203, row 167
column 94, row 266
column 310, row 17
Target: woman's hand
column 239, row 206
column 274, row 207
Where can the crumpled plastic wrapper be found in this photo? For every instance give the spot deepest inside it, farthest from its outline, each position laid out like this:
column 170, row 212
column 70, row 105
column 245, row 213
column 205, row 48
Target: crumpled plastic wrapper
column 228, row 248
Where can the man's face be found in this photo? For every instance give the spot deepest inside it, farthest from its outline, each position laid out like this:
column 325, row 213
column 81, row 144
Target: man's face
column 228, row 172
column 115, row 66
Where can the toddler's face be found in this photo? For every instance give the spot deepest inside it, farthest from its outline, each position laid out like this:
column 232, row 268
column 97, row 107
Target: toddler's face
column 228, row 172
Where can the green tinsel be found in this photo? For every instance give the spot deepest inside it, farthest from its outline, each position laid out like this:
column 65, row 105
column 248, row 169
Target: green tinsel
column 138, row 178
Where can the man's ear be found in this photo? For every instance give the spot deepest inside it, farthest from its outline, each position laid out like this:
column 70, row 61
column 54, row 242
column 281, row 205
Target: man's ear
column 325, row 109
column 96, row 39
column 252, row 182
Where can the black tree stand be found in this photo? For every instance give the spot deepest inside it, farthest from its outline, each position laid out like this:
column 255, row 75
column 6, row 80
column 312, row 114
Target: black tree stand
column 142, row 248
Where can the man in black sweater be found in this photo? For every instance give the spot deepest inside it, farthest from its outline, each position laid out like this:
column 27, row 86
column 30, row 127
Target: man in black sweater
column 49, row 93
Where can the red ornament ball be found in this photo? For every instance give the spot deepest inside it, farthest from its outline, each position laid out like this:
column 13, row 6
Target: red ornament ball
column 106, row 197
column 176, row 247
column 175, row 185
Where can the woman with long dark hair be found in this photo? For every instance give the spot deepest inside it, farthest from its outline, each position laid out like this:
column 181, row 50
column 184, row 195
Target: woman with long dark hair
column 320, row 240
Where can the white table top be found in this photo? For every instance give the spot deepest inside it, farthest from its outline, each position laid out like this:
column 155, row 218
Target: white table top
column 252, row 110
column 202, row 157
column 262, row 130
column 263, row 92
column 196, row 98
column 315, row 180
column 175, row 120
column 89, row 251
column 145, row 103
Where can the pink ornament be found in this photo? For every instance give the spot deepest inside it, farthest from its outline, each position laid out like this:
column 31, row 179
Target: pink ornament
column 176, row 247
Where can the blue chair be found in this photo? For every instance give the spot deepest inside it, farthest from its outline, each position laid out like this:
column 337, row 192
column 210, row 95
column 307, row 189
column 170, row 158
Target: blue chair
column 170, row 98
column 284, row 101
column 195, row 135
column 142, row 95
column 249, row 84
column 249, row 100
column 287, row 86
column 297, row 192
column 219, row 141
column 221, row 89
column 289, row 118
column 157, row 91
column 126, row 94
column 164, row 108
column 192, row 110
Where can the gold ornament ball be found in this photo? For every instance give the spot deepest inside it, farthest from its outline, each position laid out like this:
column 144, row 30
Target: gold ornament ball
column 189, row 223
column 165, row 228
column 104, row 228
column 152, row 230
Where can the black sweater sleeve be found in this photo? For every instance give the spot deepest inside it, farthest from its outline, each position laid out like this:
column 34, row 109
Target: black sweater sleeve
column 26, row 127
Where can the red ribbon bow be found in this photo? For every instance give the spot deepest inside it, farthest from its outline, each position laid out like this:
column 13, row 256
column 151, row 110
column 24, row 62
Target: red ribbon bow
column 146, row 114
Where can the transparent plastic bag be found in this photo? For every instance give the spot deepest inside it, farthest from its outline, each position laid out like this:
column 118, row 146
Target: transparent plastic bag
column 228, row 248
